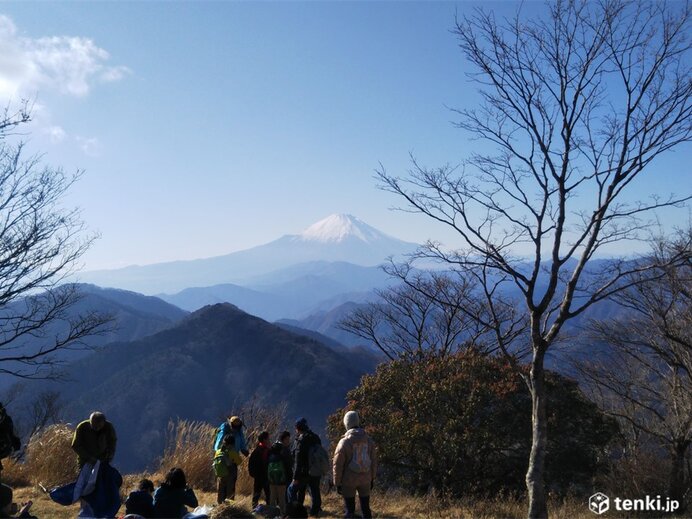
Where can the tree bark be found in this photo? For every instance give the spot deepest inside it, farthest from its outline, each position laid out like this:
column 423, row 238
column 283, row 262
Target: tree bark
column 678, row 481
column 535, row 477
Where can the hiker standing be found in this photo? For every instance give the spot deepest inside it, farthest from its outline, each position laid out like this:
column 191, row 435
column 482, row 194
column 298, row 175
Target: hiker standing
column 9, row 442
column 234, row 426
column 226, row 461
column 355, row 466
column 257, row 467
column 280, row 471
column 94, row 440
column 307, row 469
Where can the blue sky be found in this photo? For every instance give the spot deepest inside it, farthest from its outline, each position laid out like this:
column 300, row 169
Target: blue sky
column 210, row 127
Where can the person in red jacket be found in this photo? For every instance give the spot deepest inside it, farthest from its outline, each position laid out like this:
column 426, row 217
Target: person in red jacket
column 257, row 467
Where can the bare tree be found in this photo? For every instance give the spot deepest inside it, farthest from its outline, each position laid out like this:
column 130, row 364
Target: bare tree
column 430, row 313
column 576, row 104
column 645, row 379
column 40, row 245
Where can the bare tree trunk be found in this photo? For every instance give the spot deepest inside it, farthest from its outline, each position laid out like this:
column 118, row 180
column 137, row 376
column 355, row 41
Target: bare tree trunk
column 678, row 481
column 535, row 478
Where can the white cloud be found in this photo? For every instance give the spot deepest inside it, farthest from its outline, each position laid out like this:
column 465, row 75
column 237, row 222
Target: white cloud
column 56, row 134
column 89, row 145
column 69, row 65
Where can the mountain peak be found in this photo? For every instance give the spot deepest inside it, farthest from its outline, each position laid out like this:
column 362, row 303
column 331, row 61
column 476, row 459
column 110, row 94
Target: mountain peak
column 338, row 227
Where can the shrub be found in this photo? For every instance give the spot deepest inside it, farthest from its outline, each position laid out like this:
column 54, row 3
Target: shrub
column 460, row 425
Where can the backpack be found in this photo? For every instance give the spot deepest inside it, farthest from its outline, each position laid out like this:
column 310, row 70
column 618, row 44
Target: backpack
column 219, row 465
column 255, row 463
column 219, row 434
column 276, row 472
column 318, row 461
column 360, row 462
column 8, row 441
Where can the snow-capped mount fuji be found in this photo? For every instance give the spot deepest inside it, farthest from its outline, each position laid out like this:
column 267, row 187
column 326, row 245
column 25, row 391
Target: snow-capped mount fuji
column 341, row 227
column 336, row 238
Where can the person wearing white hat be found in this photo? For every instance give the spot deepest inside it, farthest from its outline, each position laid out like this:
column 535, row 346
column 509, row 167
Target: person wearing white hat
column 355, row 466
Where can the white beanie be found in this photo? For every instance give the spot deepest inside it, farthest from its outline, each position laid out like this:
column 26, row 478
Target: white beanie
column 351, row 420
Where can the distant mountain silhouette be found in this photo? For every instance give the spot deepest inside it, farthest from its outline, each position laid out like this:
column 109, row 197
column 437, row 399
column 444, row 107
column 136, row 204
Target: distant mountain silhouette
column 336, row 238
column 294, row 292
column 214, row 359
column 134, row 316
column 326, row 323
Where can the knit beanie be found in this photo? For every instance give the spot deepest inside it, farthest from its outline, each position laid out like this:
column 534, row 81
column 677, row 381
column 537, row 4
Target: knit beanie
column 351, row 420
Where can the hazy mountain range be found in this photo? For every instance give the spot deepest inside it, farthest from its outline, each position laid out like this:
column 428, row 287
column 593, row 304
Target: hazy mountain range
column 295, row 292
column 337, row 238
column 209, row 364
column 133, row 316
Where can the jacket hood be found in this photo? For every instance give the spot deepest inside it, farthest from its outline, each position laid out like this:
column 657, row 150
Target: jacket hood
column 356, row 434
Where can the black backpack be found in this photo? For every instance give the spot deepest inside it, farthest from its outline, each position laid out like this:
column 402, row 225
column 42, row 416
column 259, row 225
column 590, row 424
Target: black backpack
column 255, row 464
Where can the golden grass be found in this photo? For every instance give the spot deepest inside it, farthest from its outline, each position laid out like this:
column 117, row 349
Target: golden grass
column 189, row 447
column 384, row 505
column 50, row 460
column 15, row 474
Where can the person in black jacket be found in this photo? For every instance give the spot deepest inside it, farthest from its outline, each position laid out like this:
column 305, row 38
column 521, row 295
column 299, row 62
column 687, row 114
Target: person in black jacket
column 280, row 471
column 302, row 479
column 141, row 501
column 9, row 442
column 257, row 467
column 171, row 498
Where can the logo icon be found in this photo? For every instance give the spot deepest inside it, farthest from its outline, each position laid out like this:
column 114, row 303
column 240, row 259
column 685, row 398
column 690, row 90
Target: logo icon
column 599, row 503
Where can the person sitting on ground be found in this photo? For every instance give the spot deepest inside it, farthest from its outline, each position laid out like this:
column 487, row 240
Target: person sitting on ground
column 257, row 467
column 171, row 498
column 141, row 501
column 234, row 425
column 94, row 440
column 280, row 471
column 9, row 509
column 226, row 461
column 355, row 466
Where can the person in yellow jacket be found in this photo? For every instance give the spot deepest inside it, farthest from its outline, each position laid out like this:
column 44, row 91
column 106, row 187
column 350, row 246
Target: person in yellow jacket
column 94, row 439
column 226, row 461
column 355, row 466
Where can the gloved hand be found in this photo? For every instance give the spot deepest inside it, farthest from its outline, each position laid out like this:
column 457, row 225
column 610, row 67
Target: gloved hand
column 338, row 490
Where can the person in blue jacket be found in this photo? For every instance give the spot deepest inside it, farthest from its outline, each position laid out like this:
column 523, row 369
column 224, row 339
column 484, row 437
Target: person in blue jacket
column 234, row 426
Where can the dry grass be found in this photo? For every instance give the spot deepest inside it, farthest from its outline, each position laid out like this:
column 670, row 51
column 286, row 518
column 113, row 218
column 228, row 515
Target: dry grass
column 188, row 446
column 50, row 460
column 15, row 474
column 384, row 505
